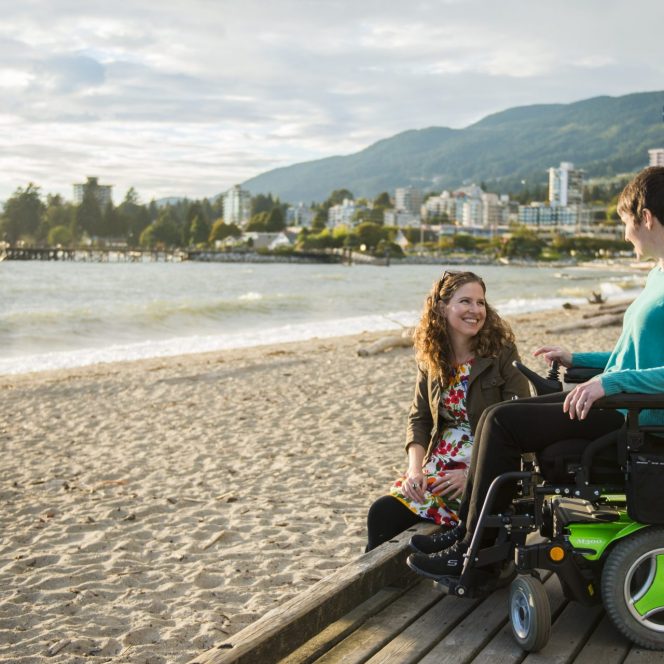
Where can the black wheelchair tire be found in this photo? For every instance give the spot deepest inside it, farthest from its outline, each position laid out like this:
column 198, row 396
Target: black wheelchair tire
column 530, row 613
column 621, row 585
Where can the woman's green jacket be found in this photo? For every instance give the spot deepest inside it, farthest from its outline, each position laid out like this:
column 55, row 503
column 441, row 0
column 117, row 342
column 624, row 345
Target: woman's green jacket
column 491, row 380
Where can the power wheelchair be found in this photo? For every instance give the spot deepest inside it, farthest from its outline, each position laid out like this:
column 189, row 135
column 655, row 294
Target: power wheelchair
column 600, row 517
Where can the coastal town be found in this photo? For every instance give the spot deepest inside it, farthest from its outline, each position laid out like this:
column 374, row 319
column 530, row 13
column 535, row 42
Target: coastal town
column 575, row 217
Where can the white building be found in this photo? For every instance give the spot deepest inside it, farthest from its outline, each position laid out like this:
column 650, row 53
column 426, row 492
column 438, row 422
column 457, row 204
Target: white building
column 343, row 213
column 237, row 205
column 102, row 192
column 494, row 210
column 656, row 156
column 438, row 206
column 565, row 185
column 401, row 219
column 472, row 212
column 408, row 199
column 299, row 215
column 538, row 215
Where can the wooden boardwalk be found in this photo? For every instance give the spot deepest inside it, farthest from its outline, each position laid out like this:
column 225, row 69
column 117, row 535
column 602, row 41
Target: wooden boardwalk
column 375, row 610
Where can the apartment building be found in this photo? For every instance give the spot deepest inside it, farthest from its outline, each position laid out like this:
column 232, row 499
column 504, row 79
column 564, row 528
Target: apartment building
column 237, row 205
column 102, row 192
column 343, row 213
column 299, row 215
column 565, row 185
column 656, row 157
column 408, row 199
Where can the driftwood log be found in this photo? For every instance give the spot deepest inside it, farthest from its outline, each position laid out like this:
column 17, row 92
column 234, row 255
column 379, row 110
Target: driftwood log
column 403, row 340
column 604, row 320
column 615, row 309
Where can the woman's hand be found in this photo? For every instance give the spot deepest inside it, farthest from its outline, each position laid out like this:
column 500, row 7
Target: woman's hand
column 414, row 484
column 578, row 401
column 450, row 483
column 555, row 353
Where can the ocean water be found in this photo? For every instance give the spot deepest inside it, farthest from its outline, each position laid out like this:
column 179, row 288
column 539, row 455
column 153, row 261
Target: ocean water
column 56, row 315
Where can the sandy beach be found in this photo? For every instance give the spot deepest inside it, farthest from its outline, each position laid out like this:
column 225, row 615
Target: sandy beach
column 150, row 509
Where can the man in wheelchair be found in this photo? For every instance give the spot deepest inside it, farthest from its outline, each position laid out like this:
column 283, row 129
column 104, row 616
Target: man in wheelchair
column 600, row 448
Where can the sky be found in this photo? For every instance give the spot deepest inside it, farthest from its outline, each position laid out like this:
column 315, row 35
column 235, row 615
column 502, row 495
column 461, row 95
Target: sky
column 187, row 98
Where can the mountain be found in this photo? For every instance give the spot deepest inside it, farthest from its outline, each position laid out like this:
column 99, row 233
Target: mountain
column 168, row 200
column 603, row 135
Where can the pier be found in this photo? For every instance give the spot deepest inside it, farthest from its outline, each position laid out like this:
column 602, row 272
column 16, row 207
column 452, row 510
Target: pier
column 90, row 255
column 376, row 611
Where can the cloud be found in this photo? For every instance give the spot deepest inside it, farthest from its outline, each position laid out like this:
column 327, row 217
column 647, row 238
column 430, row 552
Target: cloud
column 191, row 97
column 65, row 74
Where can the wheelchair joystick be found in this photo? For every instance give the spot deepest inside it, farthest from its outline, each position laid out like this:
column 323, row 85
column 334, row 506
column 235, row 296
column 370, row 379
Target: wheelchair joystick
column 554, row 371
column 541, row 385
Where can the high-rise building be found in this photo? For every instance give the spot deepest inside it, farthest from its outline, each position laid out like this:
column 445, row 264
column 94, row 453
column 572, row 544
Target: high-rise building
column 565, row 185
column 656, row 156
column 408, row 199
column 102, row 192
column 237, row 205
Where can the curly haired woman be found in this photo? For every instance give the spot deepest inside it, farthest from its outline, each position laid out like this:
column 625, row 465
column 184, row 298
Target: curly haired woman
column 464, row 351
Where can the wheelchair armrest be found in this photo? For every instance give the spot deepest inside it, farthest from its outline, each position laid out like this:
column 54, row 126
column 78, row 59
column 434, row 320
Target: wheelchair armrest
column 580, row 374
column 627, row 401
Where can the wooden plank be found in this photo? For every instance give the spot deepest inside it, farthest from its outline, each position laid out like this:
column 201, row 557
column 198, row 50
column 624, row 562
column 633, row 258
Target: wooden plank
column 568, row 635
column 605, row 645
column 503, row 649
column 383, row 627
column 472, row 633
column 282, row 630
column 418, row 639
column 331, row 635
column 642, row 656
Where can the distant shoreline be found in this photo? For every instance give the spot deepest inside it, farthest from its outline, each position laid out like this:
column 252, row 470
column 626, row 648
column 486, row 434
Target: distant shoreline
column 84, row 255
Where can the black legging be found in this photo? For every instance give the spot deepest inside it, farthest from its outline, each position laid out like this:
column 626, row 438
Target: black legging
column 386, row 519
column 507, row 430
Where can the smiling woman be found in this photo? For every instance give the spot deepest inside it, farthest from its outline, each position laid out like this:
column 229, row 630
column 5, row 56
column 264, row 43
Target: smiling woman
column 465, row 353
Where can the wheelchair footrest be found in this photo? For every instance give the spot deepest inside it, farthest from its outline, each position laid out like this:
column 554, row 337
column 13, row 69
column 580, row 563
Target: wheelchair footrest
column 477, row 582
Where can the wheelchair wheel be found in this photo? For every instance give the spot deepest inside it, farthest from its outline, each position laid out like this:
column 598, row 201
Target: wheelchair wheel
column 633, row 587
column 530, row 613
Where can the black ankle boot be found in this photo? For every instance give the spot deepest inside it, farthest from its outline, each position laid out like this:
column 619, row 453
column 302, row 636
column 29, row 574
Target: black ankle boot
column 443, row 563
column 439, row 541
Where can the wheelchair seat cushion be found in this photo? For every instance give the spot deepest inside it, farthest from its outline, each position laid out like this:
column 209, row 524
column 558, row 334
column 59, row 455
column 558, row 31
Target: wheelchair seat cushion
column 558, row 461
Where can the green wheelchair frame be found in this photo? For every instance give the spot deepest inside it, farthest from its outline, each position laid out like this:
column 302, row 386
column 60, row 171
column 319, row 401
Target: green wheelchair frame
column 588, row 537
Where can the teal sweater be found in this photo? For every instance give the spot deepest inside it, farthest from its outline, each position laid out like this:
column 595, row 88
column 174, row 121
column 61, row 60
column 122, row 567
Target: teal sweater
column 637, row 361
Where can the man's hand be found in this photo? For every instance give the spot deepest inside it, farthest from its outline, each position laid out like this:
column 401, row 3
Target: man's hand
column 582, row 397
column 555, row 353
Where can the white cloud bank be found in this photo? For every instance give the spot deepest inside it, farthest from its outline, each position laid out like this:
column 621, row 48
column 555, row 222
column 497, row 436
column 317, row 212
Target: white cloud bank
column 188, row 98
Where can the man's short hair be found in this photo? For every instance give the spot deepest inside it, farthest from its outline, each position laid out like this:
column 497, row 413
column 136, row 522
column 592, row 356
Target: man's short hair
column 645, row 191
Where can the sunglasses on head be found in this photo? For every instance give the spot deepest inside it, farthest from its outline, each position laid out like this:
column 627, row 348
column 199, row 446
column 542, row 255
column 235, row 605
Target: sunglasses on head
column 446, row 274
column 441, row 281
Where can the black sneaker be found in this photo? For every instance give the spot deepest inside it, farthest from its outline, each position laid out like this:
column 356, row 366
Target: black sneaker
column 439, row 541
column 435, row 565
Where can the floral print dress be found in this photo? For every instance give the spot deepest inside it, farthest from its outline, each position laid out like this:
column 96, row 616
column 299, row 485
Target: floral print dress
column 452, row 452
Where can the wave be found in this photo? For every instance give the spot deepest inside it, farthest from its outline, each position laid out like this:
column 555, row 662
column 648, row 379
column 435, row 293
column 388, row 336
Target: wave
column 247, row 330
column 201, row 344
column 138, row 314
column 251, row 295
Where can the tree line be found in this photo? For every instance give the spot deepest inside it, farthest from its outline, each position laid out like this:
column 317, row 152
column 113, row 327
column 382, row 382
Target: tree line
column 28, row 217
column 52, row 221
